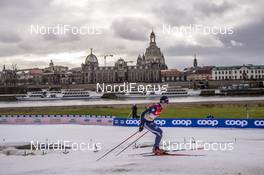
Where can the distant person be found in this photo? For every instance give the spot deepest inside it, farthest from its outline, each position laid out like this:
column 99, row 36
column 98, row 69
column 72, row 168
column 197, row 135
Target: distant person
column 210, row 116
column 134, row 111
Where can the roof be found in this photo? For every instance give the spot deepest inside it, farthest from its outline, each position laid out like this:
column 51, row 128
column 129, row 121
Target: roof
column 203, row 71
column 91, row 58
column 76, row 69
column 171, row 72
column 36, row 71
column 249, row 66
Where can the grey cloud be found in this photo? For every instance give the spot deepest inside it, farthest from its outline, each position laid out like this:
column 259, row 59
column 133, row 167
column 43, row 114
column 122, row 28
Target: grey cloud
column 251, row 50
column 19, row 12
column 25, row 63
column 61, row 38
column 131, row 28
column 18, row 17
column 9, row 37
column 212, row 8
column 173, row 14
column 190, row 12
column 250, row 36
column 8, row 50
column 128, row 25
column 23, row 4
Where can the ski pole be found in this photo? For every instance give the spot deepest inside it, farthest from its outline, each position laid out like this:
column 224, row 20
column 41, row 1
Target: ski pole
column 117, row 146
column 131, row 143
column 129, row 116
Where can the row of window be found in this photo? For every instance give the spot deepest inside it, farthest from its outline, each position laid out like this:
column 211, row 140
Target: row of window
column 238, row 77
column 240, row 71
column 173, row 79
column 112, row 68
column 76, row 93
column 132, row 76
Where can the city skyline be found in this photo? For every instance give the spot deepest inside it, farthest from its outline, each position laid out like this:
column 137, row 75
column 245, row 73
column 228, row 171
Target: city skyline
column 124, row 29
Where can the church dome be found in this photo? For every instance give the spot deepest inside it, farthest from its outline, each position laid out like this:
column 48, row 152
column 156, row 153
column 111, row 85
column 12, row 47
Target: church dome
column 120, row 63
column 153, row 53
column 91, row 58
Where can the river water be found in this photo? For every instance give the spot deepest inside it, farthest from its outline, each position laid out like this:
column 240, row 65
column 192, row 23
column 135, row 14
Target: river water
column 126, row 101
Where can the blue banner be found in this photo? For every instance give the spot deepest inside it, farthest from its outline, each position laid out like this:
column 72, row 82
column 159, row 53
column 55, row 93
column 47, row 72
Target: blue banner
column 185, row 122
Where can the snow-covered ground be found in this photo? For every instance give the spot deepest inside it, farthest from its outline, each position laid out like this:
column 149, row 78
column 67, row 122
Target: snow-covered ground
column 247, row 157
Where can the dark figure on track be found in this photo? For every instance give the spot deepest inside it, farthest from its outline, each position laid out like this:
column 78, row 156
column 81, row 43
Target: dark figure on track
column 210, row 116
column 134, row 111
column 147, row 121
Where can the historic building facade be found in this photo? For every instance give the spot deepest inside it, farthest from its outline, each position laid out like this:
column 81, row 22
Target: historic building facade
column 8, row 77
column 198, row 73
column 147, row 69
column 245, row 72
column 172, row 75
column 55, row 74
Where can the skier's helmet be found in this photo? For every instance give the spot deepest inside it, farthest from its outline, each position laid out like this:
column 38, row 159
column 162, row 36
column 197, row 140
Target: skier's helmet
column 164, row 99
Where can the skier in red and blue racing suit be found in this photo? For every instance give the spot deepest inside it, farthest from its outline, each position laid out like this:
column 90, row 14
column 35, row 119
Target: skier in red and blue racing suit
column 147, row 121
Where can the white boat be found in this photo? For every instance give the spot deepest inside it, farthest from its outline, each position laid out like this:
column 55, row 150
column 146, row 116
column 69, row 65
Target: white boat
column 58, row 95
column 176, row 93
column 80, row 94
column 180, row 92
column 132, row 94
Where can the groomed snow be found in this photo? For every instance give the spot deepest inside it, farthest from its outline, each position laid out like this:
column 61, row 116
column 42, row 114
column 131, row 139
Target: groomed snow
column 247, row 157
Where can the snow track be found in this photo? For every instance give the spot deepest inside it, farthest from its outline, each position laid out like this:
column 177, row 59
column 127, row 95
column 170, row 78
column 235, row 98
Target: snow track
column 246, row 157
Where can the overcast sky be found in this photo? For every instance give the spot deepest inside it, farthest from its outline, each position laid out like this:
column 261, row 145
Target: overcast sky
column 122, row 28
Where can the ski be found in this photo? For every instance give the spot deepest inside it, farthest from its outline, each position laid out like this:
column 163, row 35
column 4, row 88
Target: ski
column 192, row 149
column 172, row 154
column 175, row 150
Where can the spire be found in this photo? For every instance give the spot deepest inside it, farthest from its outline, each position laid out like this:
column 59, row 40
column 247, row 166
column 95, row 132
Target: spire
column 195, row 63
column 91, row 50
column 139, row 60
column 51, row 64
column 152, row 38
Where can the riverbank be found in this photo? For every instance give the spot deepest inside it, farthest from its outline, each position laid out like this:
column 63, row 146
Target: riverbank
column 219, row 109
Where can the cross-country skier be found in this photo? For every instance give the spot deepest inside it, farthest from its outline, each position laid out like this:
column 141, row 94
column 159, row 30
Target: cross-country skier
column 147, row 121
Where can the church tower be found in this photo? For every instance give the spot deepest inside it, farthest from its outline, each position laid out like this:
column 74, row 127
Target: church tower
column 195, row 63
column 152, row 38
column 51, row 66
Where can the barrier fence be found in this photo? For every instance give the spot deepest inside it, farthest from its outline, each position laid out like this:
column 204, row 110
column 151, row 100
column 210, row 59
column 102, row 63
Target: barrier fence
column 57, row 119
column 114, row 121
column 184, row 122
